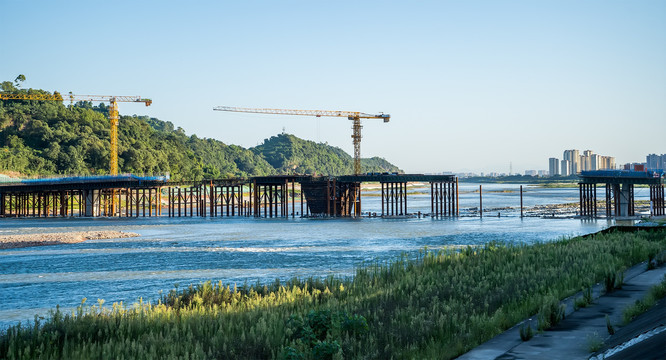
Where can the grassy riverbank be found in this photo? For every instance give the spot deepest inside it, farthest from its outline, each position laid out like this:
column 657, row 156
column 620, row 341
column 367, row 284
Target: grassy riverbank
column 438, row 305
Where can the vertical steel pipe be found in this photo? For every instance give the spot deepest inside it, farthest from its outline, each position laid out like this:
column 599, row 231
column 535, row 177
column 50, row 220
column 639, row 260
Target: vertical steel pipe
column 480, row 201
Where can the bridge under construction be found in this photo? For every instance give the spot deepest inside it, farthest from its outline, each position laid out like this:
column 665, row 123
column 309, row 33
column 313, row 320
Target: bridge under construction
column 619, row 186
column 266, row 196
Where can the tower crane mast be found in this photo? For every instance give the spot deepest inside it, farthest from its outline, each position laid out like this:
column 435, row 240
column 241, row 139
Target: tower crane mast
column 354, row 116
column 113, row 113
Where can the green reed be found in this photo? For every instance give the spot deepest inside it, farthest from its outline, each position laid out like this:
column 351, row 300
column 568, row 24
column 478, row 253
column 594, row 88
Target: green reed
column 436, row 305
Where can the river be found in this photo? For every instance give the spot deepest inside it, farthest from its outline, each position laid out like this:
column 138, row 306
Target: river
column 181, row 251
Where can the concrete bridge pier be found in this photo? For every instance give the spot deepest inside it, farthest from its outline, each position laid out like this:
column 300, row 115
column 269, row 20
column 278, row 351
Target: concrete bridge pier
column 625, row 200
column 91, row 198
column 619, row 191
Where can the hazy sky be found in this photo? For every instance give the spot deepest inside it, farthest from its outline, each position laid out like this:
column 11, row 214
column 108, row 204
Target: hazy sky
column 470, row 85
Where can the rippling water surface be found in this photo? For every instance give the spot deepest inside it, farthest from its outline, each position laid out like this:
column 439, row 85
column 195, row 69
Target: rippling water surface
column 236, row 250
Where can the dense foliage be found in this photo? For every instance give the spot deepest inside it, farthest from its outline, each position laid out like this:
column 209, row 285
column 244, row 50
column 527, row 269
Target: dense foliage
column 436, row 306
column 48, row 137
column 289, row 154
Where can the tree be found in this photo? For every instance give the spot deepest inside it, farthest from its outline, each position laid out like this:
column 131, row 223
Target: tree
column 19, row 80
column 7, row 86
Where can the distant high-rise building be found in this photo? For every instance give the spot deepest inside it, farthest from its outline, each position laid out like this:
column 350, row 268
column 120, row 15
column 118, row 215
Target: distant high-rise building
column 531, row 173
column 553, row 166
column 573, row 156
column 608, row 163
column 655, row 162
column 586, row 161
column 565, row 167
column 574, row 162
column 595, row 162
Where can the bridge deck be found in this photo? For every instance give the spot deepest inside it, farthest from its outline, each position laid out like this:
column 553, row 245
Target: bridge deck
column 130, row 195
column 84, row 183
column 620, row 177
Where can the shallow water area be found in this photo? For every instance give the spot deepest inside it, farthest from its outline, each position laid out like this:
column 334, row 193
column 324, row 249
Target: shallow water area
column 183, row 251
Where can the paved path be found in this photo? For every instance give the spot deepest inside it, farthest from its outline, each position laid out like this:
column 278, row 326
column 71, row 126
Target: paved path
column 572, row 337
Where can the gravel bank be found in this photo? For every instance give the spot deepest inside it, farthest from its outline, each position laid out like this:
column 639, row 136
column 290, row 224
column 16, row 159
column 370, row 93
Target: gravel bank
column 26, row 240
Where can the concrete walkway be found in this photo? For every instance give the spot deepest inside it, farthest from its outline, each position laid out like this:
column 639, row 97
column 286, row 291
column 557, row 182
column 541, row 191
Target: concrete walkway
column 572, row 338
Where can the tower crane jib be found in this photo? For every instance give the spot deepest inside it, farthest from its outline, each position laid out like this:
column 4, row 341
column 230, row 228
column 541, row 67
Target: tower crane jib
column 113, row 113
column 355, row 116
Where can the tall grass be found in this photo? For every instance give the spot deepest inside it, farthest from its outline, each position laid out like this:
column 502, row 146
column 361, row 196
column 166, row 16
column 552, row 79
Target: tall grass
column 438, row 305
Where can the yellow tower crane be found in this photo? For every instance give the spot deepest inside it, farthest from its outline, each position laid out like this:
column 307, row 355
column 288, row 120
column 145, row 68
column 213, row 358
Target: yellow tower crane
column 113, row 112
column 354, row 116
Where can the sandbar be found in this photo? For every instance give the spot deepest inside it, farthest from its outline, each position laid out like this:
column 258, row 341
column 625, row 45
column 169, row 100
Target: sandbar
column 42, row 239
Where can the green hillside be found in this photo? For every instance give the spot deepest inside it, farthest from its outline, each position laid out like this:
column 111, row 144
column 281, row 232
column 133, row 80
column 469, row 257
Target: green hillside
column 47, row 137
column 289, row 154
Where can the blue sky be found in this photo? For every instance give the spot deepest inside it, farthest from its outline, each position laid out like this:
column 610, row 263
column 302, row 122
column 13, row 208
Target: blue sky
column 470, row 85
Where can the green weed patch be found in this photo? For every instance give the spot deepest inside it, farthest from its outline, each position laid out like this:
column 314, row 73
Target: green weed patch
column 437, row 305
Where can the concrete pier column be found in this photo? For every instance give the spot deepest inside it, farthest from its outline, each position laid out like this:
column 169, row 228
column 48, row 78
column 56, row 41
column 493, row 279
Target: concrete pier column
column 92, row 202
column 357, row 206
column 625, row 200
column 383, row 194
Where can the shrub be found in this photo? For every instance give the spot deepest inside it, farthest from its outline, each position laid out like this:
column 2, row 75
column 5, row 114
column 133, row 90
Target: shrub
column 594, row 342
column 609, row 326
column 642, row 305
column 585, row 300
column 327, row 350
column 651, row 263
column 319, row 333
column 609, row 281
column 587, row 295
column 551, row 313
column 526, row 332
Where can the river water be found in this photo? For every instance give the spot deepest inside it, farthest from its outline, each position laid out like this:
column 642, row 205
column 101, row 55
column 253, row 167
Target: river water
column 183, row 251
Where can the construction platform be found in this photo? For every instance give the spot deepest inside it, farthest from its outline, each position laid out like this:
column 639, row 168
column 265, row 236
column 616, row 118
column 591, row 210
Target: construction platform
column 264, row 196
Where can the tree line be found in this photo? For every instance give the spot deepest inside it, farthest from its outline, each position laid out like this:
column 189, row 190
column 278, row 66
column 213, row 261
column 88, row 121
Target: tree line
column 48, row 137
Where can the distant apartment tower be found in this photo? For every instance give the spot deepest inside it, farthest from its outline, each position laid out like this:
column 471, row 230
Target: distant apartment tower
column 574, row 162
column 595, row 162
column 573, row 157
column 554, row 166
column 586, row 161
column 607, row 163
column 655, row 162
column 565, row 167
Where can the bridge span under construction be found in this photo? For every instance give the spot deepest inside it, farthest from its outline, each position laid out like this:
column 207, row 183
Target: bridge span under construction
column 265, row 196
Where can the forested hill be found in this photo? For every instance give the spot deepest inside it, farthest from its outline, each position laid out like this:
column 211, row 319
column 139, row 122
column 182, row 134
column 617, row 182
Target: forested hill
column 47, row 137
column 289, row 154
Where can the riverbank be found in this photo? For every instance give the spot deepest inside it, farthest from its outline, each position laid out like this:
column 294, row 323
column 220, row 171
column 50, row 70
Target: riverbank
column 439, row 305
column 45, row 239
column 595, row 328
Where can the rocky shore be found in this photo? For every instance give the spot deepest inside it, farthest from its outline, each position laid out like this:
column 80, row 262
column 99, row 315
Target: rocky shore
column 42, row 239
